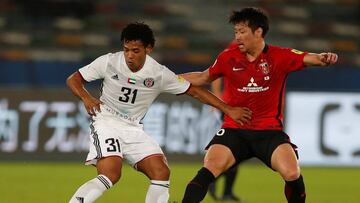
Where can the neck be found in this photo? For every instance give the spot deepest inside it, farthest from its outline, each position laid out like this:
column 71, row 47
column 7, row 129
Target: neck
column 136, row 69
column 256, row 51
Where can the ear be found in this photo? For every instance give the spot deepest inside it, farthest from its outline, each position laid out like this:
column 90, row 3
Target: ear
column 259, row 32
column 148, row 49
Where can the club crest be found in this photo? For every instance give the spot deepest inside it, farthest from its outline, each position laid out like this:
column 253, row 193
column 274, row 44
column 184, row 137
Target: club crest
column 264, row 67
column 149, row 82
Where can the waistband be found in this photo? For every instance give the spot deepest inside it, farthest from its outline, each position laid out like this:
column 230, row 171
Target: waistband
column 122, row 116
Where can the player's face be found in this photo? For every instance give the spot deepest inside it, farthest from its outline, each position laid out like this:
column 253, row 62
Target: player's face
column 245, row 37
column 135, row 54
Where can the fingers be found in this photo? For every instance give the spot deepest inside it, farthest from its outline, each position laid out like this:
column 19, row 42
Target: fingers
column 243, row 121
column 97, row 108
column 246, row 119
column 247, row 113
column 91, row 111
column 243, row 115
column 329, row 58
column 94, row 109
column 333, row 58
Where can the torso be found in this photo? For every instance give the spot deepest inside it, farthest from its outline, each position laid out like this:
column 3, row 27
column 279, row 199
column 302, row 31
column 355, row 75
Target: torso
column 129, row 94
column 258, row 85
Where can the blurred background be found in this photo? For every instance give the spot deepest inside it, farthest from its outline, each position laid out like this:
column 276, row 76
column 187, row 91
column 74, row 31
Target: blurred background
column 43, row 41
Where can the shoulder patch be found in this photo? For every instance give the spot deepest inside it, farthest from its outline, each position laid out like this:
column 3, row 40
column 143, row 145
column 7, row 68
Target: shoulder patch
column 296, row 51
column 180, row 79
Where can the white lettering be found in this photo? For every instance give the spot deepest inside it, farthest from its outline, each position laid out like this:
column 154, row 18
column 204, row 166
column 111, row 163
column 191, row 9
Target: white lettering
column 39, row 108
column 9, row 127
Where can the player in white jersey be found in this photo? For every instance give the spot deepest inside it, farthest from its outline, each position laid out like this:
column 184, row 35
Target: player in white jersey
column 131, row 82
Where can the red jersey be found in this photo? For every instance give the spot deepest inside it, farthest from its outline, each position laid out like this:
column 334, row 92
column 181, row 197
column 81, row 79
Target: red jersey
column 257, row 85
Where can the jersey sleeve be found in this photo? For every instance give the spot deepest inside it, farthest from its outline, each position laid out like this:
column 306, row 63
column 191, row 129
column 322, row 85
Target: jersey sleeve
column 217, row 69
column 95, row 70
column 293, row 59
column 172, row 83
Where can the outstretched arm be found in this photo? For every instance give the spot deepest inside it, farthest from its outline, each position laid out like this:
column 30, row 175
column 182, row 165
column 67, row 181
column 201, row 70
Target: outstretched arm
column 198, row 78
column 76, row 84
column 239, row 114
column 323, row 59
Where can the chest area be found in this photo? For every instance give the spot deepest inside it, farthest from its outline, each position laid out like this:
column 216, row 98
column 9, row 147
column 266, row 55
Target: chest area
column 259, row 72
column 145, row 83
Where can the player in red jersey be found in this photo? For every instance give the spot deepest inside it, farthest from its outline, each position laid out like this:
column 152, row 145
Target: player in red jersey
column 254, row 75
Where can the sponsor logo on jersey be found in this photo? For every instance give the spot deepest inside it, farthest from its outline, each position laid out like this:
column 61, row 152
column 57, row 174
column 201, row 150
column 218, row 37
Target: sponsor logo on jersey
column 149, row 82
column 252, row 86
column 115, row 77
column 264, row 67
column 252, row 83
column 237, row 69
column 121, row 115
column 132, row 81
column 296, row 51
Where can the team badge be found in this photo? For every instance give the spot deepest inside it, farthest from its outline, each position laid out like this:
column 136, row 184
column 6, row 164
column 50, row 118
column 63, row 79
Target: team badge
column 264, row 67
column 149, row 82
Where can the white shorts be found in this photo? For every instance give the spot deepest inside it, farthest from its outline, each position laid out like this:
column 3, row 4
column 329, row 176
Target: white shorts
column 112, row 137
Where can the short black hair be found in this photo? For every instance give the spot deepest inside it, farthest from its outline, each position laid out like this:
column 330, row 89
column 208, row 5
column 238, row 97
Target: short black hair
column 254, row 17
column 138, row 31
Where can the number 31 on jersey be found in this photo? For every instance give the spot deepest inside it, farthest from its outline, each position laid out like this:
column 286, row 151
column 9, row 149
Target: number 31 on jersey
column 129, row 95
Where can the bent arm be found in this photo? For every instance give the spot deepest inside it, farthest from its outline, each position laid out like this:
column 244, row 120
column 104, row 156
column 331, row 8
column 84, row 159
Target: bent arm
column 239, row 114
column 323, row 59
column 76, row 84
column 198, row 78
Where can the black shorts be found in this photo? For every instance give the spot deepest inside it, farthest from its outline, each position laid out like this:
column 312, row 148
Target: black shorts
column 246, row 144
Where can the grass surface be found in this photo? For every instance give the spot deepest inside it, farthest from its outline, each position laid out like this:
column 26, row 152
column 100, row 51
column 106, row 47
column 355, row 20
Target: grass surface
column 28, row 182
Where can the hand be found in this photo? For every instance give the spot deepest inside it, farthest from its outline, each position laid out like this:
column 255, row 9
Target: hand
column 328, row 58
column 241, row 115
column 92, row 105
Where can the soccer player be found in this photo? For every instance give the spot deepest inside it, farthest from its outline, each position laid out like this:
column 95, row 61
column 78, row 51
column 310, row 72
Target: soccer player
column 131, row 82
column 254, row 75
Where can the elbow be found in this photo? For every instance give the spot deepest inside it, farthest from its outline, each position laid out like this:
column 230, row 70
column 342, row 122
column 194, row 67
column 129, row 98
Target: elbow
column 192, row 91
column 74, row 79
column 69, row 81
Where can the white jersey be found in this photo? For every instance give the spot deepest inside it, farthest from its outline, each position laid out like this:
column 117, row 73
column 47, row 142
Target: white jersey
column 127, row 94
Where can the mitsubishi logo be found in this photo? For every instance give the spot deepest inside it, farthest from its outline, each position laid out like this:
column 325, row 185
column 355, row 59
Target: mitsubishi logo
column 252, row 83
column 252, row 86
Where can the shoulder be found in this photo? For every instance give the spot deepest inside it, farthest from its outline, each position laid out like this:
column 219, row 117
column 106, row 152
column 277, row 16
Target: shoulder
column 105, row 58
column 283, row 50
column 151, row 61
column 115, row 55
column 229, row 53
column 153, row 65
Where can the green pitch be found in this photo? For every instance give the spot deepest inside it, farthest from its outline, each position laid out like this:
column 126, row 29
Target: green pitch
column 27, row 182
